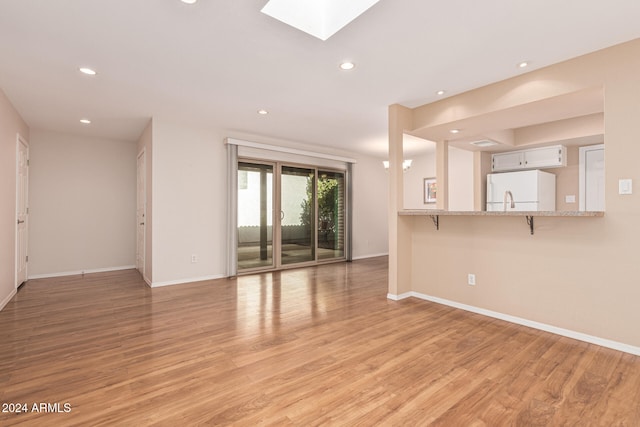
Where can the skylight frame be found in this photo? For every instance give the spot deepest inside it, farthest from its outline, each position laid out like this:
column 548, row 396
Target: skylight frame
column 319, row 18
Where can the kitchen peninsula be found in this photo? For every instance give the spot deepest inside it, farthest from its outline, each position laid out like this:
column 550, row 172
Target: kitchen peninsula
column 573, row 277
column 435, row 214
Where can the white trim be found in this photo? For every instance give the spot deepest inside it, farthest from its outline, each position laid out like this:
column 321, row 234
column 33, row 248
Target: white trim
column 183, row 281
column 76, row 272
column 394, row 297
column 370, row 256
column 288, row 150
column 146, row 280
column 615, row 345
column 582, row 174
column 8, row 298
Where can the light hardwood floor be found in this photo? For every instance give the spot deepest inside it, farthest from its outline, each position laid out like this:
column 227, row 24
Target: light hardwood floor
column 316, row 346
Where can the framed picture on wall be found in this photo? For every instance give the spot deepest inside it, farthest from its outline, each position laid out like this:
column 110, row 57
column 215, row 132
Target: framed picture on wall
column 430, row 190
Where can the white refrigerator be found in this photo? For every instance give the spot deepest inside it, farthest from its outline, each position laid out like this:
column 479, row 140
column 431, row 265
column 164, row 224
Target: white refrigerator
column 531, row 190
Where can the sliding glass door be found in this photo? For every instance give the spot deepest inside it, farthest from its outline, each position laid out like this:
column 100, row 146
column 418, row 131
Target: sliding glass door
column 297, row 204
column 331, row 214
column 255, row 216
column 289, row 215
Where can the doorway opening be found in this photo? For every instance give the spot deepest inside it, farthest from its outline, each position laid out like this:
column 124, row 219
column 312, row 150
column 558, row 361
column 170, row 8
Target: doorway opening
column 141, row 209
column 22, row 210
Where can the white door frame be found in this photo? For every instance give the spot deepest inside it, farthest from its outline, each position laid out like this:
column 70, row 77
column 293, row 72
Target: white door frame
column 20, row 141
column 141, row 222
column 582, row 174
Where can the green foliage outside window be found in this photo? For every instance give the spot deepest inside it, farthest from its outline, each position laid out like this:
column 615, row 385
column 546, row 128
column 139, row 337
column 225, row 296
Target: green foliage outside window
column 328, row 192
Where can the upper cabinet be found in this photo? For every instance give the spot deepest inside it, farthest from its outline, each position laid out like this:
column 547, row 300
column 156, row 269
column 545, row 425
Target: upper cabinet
column 536, row 158
column 512, row 160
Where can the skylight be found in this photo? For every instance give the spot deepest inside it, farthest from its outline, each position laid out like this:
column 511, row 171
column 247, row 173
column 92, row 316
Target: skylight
column 320, row 18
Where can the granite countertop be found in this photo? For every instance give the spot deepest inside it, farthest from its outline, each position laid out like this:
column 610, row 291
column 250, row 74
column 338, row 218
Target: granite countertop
column 433, row 212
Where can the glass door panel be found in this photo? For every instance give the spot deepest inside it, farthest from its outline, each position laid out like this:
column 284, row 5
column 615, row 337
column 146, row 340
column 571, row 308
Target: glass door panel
column 331, row 198
column 255, row 216
column 297, row 216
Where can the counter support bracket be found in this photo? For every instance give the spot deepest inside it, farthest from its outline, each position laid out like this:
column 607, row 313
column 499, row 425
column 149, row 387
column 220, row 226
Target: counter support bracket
column 436, row 221
column 529, row 219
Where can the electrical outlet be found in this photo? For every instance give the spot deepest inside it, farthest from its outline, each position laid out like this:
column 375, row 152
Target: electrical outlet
column 471, row 279
column 194, row 258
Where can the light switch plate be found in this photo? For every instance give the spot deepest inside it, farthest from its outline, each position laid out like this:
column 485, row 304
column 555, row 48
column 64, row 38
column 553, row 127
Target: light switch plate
column 625, row 186
column 570, row 199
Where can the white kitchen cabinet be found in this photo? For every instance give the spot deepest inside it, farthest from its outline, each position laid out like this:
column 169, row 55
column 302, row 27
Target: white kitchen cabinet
column 546, row 157
column 509, row 161
column 535, row 158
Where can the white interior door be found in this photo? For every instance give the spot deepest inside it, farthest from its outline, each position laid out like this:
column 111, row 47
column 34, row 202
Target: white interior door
column 592, row 178
column 141, row 213
column 22, row 211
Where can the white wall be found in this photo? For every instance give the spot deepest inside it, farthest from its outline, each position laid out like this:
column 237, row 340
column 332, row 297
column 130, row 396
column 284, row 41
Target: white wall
column 370, row 216
column 10, row 125
column 189, row 203
column 82, row 198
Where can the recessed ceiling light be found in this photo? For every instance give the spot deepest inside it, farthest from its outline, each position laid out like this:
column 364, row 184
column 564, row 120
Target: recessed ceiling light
column 523, row 64
column 85, row 121
column 455, row 131
column 263, row 112
column 87, row 71
column 440, row 92
column 347, row 65
column 189, row 1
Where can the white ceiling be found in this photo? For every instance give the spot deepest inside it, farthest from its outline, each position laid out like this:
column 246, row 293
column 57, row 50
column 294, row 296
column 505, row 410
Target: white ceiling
column 215, row 63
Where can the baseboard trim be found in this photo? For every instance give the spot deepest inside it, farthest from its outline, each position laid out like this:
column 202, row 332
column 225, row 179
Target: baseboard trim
column 76, row 272
column 183, row 281
column 370, row 256
column 8, row 298
column 615, row 345
column 146, row 280
column 399, row 297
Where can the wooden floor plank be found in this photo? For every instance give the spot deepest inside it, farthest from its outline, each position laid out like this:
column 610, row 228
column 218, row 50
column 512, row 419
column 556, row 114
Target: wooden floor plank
column 303, row 347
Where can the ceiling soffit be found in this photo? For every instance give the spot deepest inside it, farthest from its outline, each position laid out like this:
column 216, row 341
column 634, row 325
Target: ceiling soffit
column 574, row 115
